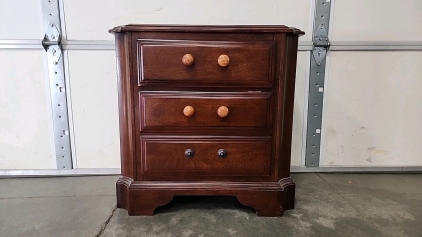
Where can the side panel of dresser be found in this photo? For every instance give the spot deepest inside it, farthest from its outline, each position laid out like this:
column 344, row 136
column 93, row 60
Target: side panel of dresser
column 284, row 88
column 126, row 105
column 126, row 117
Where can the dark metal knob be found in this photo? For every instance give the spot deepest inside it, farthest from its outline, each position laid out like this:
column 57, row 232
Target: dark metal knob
column 189, row 153
column 222, row 153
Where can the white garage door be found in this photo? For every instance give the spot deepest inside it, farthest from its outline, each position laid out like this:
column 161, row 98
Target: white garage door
column 26, row 140
column 371, row 103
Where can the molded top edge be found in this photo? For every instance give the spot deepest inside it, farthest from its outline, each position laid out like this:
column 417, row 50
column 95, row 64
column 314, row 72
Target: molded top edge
column 208, row 28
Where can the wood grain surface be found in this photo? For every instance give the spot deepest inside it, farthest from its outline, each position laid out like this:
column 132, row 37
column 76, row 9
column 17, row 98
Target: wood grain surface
column 194, row 122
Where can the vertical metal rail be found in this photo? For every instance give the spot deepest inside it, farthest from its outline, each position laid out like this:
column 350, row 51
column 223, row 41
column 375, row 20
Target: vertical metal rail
column 51, row 44
column 316, row 82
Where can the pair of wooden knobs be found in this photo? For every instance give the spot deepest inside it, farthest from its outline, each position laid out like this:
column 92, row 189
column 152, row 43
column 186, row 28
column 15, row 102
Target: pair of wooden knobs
column 222, row 111
column 223, row 60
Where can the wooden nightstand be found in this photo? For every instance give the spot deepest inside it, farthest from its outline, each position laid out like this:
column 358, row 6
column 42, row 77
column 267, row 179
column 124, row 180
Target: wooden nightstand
column 206, row 110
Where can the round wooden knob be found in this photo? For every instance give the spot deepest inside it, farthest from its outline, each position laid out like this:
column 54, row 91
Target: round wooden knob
column 223, row 111
column 187, row 59
column 188, row 111
column 223, row 60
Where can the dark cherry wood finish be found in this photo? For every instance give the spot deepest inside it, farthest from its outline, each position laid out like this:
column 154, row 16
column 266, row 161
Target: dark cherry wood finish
column 206, row 110
column 165, row 110
column 254, row 58
column 165, row 158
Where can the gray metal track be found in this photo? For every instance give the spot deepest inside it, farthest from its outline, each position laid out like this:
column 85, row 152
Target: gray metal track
column 316, row 82
column 51, row 44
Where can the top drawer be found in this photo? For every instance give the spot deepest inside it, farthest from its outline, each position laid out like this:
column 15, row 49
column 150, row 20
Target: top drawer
column 206, row 62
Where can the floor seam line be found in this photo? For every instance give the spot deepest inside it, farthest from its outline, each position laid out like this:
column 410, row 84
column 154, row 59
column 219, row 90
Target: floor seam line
column 105, row 224
column 348, row 203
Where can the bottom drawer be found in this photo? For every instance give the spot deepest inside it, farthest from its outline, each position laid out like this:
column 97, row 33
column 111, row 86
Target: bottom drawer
column 194, row 159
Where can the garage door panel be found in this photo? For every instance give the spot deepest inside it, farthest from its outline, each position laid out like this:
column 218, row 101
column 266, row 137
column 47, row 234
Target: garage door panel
column 21, row 20
column 377, row 20
column 373, row 109
column 96, row 17
column 93, row 84
column 300, row 103
column 25, row 118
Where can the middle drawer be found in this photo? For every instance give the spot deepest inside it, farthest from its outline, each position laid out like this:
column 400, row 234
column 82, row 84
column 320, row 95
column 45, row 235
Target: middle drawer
column 187, row 110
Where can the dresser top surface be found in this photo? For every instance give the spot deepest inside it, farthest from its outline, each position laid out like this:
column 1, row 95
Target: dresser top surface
column 207, row 28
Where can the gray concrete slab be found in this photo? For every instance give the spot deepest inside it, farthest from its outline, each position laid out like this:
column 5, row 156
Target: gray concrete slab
column 391, row 202
column 319, row 212
column 59, row 186
column 326, row 205
column 361, row 183
column 65, row 206
column 54, row 216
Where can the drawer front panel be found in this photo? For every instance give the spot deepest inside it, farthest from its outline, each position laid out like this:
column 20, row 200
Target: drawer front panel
column 188, row 110
column 214, row 157
column 248, row 63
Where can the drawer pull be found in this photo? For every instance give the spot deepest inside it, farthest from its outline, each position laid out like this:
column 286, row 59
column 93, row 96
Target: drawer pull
column 223, row 111
column 188, row 59
column 222, row 153
column 223, row 60
column 189, row 153
column 188, row 111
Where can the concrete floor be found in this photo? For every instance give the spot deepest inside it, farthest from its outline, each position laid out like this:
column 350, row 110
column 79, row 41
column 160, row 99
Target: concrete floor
column 326, row 205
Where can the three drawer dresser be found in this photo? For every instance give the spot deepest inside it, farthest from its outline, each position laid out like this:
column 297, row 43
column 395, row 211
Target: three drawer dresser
column 206, row 110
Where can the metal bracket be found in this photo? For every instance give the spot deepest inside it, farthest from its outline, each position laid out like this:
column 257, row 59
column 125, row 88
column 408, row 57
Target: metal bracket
column 52, row 45
column 52, row 36
column 321, row 37
column 55, row 53
column 319, row 54
column 321, row 45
